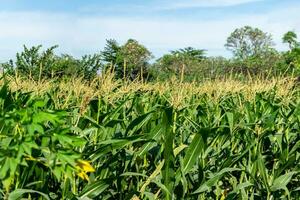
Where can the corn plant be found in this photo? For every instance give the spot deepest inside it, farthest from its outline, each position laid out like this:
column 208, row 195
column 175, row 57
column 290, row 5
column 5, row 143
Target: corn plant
column 147, row 144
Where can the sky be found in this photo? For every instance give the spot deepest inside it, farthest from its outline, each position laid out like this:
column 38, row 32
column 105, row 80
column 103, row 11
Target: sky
column 82, row 26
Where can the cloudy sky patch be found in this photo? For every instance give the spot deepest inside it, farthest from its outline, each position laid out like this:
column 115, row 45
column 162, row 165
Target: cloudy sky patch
column 78, row 29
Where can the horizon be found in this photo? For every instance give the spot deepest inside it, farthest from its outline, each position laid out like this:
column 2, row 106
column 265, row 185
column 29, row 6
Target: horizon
column 82, row 27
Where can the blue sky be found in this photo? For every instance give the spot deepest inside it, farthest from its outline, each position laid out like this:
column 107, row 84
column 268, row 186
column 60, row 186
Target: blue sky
column 81, row 26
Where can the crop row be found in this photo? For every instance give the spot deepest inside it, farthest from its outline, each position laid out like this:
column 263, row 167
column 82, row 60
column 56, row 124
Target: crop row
column 142, row 146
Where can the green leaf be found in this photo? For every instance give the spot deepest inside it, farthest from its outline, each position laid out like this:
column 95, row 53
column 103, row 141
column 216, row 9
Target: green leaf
column 243, row 185
column 262, row 171
column 230, row 120
column 69, row 139
column 154, row 134
column 134, row 174
column 282, row 181
column 193, row 152
column 139, row 122
column 156, row 172
column 18, row 193
column 179, row 149
column 168, row 169
column 213, row 180
column 114, row 144
column 4, row 169
column 94, row 189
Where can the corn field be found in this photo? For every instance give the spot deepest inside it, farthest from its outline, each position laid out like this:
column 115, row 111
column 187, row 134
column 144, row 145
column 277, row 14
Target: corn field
column 106, row 139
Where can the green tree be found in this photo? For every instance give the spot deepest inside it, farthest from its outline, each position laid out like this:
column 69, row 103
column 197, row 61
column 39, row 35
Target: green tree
column 191, row 53
column 31, row 62
column 36, row 64
column 249, row 42
column 292, row 57
column 136, row 57
column 129, row 60
column 89, row 66
column 68, row 66
column 291, row 39
column 111, row 53
column 180, row 62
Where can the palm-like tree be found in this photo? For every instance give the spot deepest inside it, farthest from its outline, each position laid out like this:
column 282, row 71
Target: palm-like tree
column 190, row 52
column 290, row 38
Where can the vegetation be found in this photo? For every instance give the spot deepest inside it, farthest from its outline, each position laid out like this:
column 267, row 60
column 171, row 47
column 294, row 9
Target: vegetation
column 129, row 61
column 179, row 62
column 113, row 140
column 253, row 54
column 292, row 57
column 102, row 127
column 248, row 42
column 34, row 64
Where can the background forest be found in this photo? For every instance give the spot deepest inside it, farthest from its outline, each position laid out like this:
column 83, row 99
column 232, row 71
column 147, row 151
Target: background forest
column 253, row 55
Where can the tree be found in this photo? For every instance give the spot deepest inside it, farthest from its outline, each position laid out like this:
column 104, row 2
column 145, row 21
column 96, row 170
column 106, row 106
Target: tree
column 136, row 58
column 68, row 66
column 128, row 60
column 185, row 61
column 89, row 65
column 191, row 53
column 111, row 53
column 31, row 62
column 291, row 39
column 292, row 57
column 249, row 42
column 36, row 64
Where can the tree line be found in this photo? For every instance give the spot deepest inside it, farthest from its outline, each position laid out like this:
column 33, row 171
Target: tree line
column 253, row 53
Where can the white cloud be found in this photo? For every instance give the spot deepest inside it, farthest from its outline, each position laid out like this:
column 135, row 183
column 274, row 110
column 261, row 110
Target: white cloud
column 78, row 35
column 164, row 5
column 177, row 4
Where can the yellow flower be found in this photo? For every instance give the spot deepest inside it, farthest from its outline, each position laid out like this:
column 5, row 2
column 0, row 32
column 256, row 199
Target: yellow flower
column 83, row 175
column 84, row 167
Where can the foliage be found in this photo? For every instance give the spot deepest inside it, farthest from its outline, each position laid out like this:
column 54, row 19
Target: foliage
column 136, row 57
column 249, row 42
column 32, row 63
column 253, row 50
column 110, row 52
column 290, row 38
column 185, row 62
column 38, row 148
column 190, row 53
column 272, row 65
column 292, row 57
column 144, row 145
column 111, row 55
column 129, row 60
column 172, row 140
